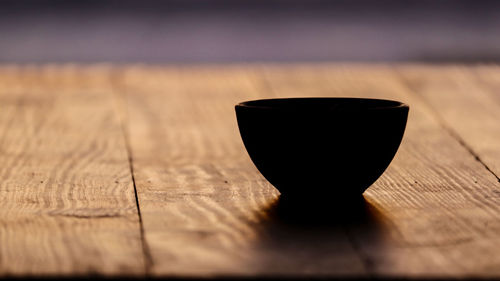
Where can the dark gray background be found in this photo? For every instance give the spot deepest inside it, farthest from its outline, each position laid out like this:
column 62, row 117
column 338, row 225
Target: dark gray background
column 194, row 31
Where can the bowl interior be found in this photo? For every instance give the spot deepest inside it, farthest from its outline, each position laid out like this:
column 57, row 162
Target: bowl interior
column 324, row 104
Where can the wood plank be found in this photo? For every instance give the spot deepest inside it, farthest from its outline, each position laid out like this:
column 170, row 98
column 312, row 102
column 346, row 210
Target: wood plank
column 467, row 100
column 437, row 206
column 206, row 210
column 488, row 80
column 67, row 203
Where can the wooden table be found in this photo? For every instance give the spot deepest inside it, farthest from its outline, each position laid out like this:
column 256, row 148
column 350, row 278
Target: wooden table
column 140, row 171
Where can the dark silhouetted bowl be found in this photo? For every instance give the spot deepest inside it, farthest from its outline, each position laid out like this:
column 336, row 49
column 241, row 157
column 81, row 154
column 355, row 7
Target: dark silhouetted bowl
column 322, row 148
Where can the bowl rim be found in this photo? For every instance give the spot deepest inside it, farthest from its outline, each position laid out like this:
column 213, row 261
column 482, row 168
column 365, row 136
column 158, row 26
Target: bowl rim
column 392, row 104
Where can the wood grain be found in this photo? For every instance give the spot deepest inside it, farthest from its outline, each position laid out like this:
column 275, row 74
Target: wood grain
column 207, row 211
column 67, row 196
column 67, row 204
column 467, row 100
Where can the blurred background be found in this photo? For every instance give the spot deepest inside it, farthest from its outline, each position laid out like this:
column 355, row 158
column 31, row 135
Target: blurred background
column 213, row 31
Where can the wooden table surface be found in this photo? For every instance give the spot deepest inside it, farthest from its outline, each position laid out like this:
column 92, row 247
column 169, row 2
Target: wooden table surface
column 139, row 170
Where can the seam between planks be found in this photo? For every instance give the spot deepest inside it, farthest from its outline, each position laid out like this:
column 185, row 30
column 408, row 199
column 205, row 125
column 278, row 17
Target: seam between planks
column 148, row 258
column 462, row 142
column 367, row 263
column 445, row 125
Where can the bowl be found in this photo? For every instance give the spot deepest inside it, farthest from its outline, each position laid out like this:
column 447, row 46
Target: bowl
column 321, row 148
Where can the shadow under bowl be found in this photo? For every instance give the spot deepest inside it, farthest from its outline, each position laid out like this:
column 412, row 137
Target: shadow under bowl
column 325, row 149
